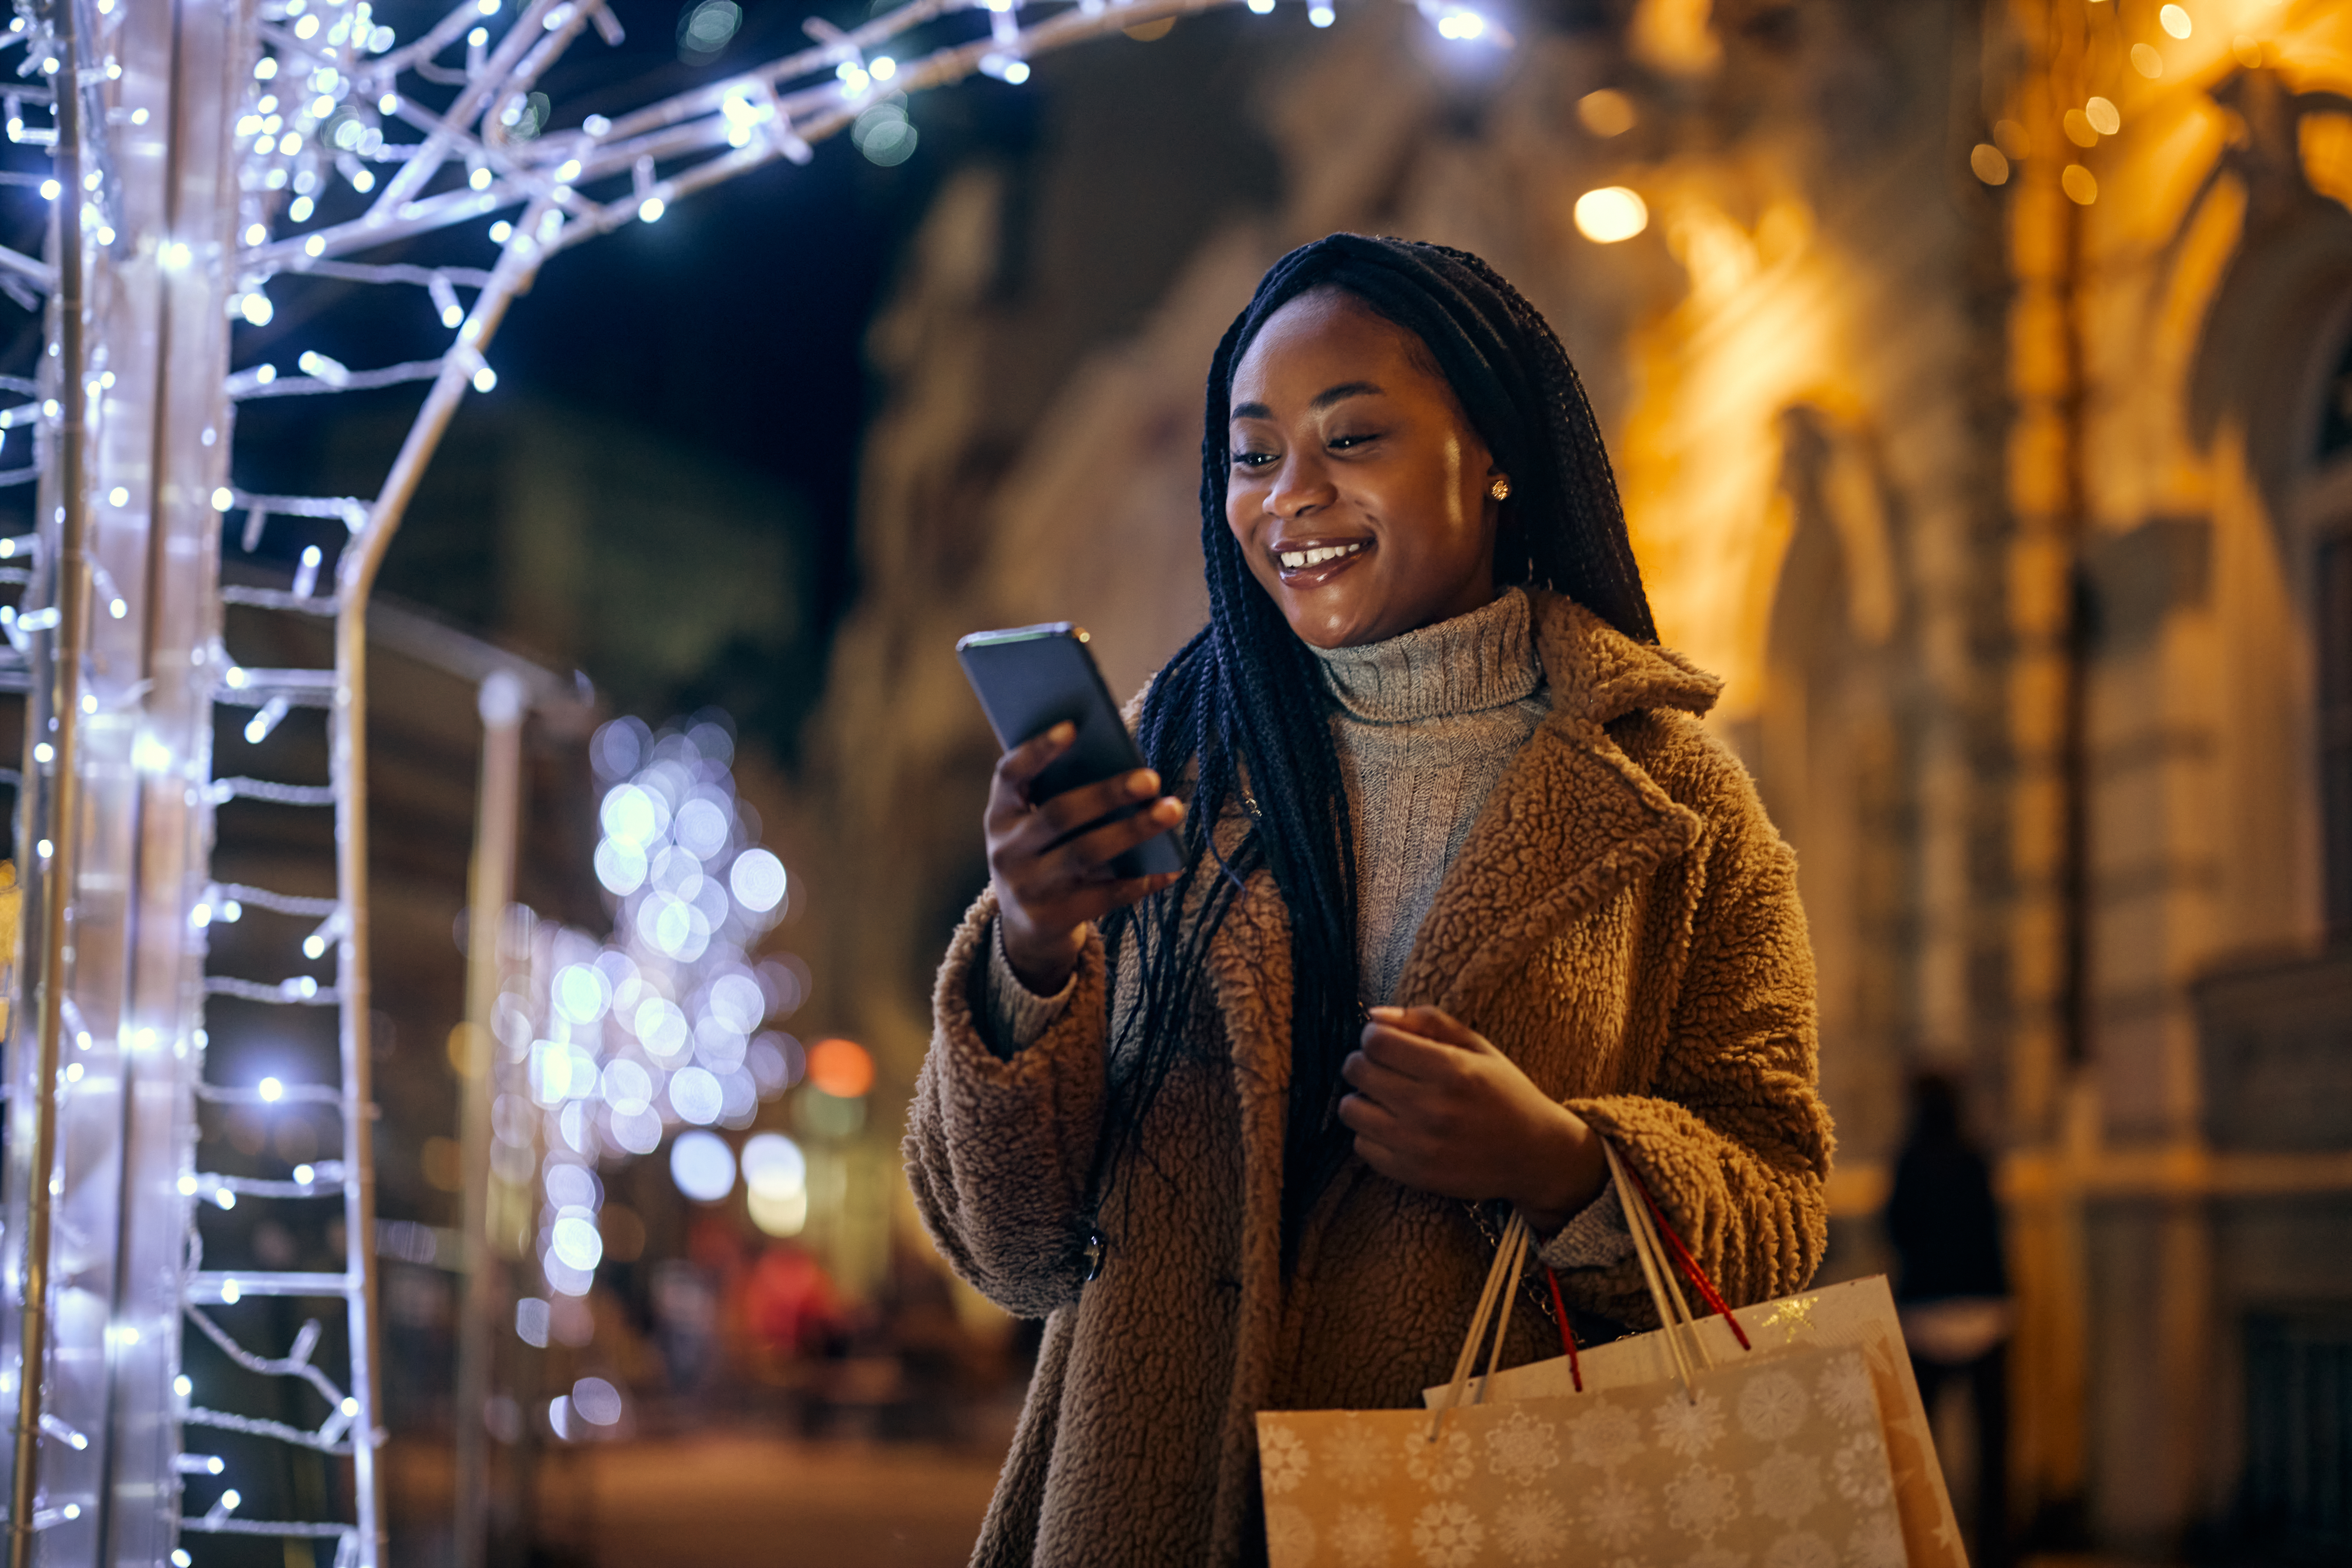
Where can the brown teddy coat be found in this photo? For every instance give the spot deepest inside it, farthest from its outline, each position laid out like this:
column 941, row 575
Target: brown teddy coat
column 1622, row 922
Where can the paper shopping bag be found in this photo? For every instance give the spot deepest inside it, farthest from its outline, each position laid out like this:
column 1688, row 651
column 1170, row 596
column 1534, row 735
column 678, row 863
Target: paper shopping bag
column 1858, row 1315
column 1760, row 1463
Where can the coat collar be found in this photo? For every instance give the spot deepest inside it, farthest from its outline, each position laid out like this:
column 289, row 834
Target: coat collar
column 1572, row 820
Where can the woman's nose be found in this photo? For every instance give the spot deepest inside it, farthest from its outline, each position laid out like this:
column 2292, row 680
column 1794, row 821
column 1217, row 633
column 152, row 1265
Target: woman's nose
column 1300, row 484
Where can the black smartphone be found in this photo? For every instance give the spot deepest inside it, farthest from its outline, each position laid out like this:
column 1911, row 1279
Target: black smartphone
column 1029, row 679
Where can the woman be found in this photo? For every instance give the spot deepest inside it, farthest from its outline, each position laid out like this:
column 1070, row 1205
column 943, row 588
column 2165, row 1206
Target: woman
column 1428, row 758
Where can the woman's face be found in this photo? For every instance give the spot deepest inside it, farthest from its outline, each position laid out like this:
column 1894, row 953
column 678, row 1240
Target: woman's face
column 1359, row 491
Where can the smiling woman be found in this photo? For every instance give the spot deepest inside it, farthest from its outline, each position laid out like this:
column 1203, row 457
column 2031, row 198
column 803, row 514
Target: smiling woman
column 1468, row 893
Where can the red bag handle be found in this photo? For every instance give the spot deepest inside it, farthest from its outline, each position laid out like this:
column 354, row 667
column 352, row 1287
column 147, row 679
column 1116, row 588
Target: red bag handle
column 1567, row 1334
column 1683, row 1261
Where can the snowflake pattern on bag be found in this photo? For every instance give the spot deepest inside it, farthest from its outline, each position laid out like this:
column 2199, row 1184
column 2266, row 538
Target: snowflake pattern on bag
column 1701, row 1501
column 1289, row 1533
column 1691, row 1426
column 1447, row 1534
column 1356, row 1456
column 1619, row 1513
column 1361, row 1538
column 1777, row 1463
column 1843, row 1389
column 1772, row 1406
column 1859, row 1471
column 1787, row 1487
column 1534, row 1527
column 1523, row 1447
column 1440, row 1465
column 1282, row 1461
column 1605, row 1436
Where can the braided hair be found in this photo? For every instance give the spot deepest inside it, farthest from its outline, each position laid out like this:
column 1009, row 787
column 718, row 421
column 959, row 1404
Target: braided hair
column 1241, row 708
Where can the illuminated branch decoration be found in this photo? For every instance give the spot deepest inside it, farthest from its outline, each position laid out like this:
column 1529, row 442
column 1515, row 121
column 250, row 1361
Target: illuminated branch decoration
column 189, row 156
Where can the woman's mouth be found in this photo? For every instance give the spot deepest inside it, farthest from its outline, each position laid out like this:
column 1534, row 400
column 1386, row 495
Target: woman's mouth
column 1311, row 562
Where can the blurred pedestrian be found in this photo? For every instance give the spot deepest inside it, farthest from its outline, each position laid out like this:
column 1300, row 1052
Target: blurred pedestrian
column 1952, row 1288
column 1468, row 889
column 790, row 1306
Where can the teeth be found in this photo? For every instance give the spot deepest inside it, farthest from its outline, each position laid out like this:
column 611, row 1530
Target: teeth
column 1295, row 560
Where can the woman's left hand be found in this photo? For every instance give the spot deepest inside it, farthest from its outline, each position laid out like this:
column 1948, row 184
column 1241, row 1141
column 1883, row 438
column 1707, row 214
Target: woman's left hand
column 1437, row 1108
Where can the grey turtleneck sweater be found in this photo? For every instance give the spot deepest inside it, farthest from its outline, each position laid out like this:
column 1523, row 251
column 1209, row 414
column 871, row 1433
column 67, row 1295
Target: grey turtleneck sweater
column 1424, row 725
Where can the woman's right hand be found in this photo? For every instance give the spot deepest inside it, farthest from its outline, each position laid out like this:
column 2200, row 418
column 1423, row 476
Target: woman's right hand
column 1048, row 892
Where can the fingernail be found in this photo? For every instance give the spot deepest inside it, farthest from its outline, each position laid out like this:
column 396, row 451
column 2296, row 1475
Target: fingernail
column 1063, row 732
column 1385, row 1013
column 1143, row 784
column 1168, row 811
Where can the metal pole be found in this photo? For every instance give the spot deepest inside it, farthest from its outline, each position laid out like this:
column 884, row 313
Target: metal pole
column 355, row 573
column 70, row 579
column 495, row 811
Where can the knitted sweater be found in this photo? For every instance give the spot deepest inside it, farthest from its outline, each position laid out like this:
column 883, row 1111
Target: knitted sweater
column 1426, row 723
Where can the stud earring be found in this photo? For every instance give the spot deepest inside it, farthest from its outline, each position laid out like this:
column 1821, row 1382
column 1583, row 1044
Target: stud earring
column 1501, row 489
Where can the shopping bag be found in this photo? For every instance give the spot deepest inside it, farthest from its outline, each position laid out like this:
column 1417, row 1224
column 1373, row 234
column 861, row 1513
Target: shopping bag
column 1757, row 1461
column 1858, row 1314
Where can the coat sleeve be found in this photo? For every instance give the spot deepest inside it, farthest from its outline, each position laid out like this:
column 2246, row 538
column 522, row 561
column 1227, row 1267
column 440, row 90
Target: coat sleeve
column 998, row 1150
column 1733, row 1141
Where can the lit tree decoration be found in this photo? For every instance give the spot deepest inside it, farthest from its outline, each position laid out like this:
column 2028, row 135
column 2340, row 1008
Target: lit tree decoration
column 657, row 1029
column 190, row 155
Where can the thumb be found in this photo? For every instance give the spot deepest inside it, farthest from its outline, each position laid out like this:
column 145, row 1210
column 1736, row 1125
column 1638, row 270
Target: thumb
column 1434, row 1023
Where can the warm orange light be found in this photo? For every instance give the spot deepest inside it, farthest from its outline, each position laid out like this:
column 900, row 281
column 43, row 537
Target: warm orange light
column 1611, row 214
column 841, row 1069
column 1991, row 167
column 1606, row 114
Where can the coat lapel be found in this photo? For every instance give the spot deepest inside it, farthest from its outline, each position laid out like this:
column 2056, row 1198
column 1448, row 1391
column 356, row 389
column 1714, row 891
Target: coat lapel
column 1572, row 820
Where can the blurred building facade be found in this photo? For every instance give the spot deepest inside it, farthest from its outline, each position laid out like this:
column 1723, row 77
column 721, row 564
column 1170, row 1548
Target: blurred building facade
column 1979, row 388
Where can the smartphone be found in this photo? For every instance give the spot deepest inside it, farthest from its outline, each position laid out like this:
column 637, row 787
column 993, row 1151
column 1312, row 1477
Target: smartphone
column 1029, row 679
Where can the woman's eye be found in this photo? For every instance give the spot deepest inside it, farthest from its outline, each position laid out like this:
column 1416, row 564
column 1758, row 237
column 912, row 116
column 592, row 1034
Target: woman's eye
column 1342, row 443
column 1253, row 460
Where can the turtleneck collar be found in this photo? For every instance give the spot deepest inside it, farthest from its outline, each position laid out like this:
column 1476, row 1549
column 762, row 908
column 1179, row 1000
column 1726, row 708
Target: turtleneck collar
column 1484, row 660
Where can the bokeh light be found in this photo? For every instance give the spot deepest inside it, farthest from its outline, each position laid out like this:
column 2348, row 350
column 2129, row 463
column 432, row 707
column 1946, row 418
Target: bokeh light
column 702, row 1165
column 842, row 1068
column 1611, row 214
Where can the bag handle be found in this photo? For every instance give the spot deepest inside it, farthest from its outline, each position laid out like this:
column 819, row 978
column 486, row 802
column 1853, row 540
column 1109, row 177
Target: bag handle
column 1647, row 1252
column 1660, row 1252
column 1656, row 1248
column 1502, row 1275
column 1662, row 1231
